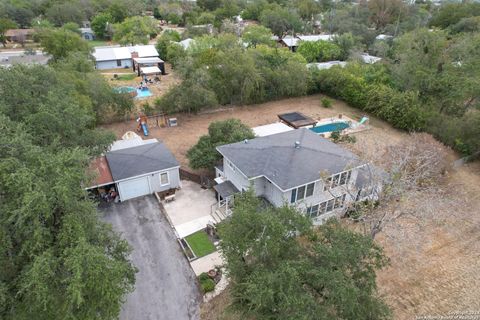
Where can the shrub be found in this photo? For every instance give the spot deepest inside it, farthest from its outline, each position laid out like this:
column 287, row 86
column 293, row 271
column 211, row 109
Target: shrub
column 319, row 51
column 337, row 136
column 206, row 282
column 187, row 97
column 326, row 102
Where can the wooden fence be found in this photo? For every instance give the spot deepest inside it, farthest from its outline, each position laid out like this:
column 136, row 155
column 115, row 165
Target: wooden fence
column 203, row 180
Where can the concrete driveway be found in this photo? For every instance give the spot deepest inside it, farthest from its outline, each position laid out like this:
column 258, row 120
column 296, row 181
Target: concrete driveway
column 165, row 285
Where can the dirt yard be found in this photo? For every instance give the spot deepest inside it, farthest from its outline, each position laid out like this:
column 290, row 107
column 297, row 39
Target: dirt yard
column 166, row 82
column 191, row 127
column 434, row 262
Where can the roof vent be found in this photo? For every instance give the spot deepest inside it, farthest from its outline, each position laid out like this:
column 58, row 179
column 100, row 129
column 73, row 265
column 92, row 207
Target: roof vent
column 245, row 141
column 297, row 144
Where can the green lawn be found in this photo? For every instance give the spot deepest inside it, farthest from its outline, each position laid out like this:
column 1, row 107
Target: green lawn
column 200, row 243
column 126, row 77
column 98, row 43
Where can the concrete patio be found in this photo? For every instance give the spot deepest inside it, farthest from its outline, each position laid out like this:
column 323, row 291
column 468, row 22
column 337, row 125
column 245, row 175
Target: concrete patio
column 190, row 211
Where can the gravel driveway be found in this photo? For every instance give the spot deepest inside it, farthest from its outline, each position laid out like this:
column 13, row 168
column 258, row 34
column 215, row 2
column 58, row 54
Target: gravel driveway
column 165, row 285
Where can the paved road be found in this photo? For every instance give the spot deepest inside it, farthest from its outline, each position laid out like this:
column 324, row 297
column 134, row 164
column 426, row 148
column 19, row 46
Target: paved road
column 165, row 284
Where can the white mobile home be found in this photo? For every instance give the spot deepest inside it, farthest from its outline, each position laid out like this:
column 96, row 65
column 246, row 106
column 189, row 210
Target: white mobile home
column 121, row 57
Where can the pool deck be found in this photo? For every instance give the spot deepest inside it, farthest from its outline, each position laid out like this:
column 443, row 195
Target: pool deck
column 356, row 126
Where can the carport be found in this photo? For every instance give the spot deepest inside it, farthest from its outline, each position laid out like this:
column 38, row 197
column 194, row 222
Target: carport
column 143, row 63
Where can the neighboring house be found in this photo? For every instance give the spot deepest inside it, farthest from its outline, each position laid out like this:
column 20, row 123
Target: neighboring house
column 383, row 37
column 292, row 42
column 19, row 35
column 87, row 34
column 366, row 58
column 136, row 168
column 121, row 57
column 326, row 65
column 186, row 43
column 296, row 167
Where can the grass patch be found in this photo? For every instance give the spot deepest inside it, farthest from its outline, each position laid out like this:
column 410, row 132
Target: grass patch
column 98, row 43
column 200, row 243
column 126, row 77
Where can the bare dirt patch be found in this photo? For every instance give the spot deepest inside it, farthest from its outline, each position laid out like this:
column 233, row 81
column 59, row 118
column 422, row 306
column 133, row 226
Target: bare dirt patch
column 191, row 127
column 434, row 259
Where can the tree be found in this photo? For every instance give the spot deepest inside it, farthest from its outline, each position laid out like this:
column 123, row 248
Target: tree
column 280, row 20
column 416, row 164
column 209, row 5
column 307, row 9
column 254, row 35
column 165, row 40
column 451, row 13
column 61, row 13
column 60, row 43
column 134, row 30
column 204, row 154
column 282, row 269
column 58, row 260
column 346, row 42
column 5, row 24
column 318, row 51
column 383, row 12
column 72, row 26
column 100, row 24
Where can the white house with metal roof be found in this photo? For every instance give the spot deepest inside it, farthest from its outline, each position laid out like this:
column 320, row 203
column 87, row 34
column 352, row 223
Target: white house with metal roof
column 296, row 167
column 121, row 57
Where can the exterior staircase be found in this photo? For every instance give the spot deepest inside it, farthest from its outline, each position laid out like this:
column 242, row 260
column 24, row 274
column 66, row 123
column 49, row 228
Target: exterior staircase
column 220, row 211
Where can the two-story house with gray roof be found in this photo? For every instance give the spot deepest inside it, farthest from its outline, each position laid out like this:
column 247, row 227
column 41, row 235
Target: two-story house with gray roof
column 298, row 168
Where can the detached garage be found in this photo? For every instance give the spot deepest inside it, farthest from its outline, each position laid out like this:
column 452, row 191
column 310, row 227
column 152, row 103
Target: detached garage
column 143, row 170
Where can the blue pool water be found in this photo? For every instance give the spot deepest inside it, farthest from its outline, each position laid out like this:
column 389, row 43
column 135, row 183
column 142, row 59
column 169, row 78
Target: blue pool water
column 140, row 93
column 330, row 127
column 143, row 93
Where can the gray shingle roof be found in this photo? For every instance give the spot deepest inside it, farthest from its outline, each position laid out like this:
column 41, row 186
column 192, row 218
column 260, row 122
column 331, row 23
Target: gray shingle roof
column 131, row 162
column 277, row 158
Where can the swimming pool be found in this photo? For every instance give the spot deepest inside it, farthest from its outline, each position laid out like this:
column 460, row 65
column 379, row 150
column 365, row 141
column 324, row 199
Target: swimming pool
column 124, row 89
column 134, row 92
column 330, row 127
column 143, row 93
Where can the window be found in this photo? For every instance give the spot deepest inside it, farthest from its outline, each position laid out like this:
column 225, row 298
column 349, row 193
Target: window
column 337, row 180
column 330, row 205
column 302, row 192
column 310, row 188
column 119, row 63
column 164, row 178
column 323, row 207
column 230, row 164
column 312, row 211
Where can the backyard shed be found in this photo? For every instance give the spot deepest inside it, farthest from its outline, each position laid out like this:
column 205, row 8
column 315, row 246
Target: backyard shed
column 143, row 170
column 297, row 120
